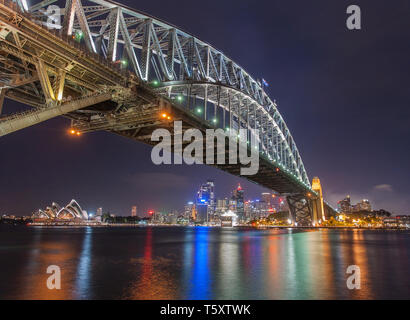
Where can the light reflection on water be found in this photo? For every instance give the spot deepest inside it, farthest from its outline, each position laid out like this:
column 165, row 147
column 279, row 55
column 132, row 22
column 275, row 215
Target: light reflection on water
column 202, row 263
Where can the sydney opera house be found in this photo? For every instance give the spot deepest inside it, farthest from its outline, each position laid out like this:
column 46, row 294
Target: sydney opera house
column 72, row 212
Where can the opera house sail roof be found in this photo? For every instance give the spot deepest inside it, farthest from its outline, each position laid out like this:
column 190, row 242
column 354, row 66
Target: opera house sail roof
column 71, row 211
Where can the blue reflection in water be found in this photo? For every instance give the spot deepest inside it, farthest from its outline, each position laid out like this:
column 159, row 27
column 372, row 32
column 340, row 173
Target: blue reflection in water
column 82, row 283
column 200, row 279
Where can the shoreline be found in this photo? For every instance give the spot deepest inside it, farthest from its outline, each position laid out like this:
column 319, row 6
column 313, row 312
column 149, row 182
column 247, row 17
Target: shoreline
column 194, row 226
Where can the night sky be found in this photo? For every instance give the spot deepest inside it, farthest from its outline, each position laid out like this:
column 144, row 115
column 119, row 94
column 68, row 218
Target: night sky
column 345, row 96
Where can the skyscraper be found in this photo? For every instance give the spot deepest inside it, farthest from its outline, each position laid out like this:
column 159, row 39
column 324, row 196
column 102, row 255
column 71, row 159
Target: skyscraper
column 189, row 211
column 205, row 202
column 345, row 205
column 222, row 205
column 237, row 196
column 134, row 211
column 266, row 197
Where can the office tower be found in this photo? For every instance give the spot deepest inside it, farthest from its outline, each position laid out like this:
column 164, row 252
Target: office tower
column 237, row 196
column 205, row 202
column 134, row 211
column 345, row 205
column 189, row 211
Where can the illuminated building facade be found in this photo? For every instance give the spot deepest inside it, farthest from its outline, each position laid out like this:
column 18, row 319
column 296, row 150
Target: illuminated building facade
column 71, row 211
column 134, row 211
column 344, row 205
column 189, row 211
column 237, row 197
column 363, row 205
column 205, row 202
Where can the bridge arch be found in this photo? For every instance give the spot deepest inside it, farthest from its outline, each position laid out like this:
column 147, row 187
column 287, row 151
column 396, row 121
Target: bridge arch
column 176, row 63
column 168, row 64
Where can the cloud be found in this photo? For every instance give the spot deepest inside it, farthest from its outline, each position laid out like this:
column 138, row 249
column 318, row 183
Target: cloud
column 383, row 187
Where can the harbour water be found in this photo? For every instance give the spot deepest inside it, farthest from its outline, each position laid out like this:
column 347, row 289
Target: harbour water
column 202, row 263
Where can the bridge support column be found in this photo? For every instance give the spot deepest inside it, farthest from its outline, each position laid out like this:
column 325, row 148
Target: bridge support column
column 303, row 210
column 319, row 203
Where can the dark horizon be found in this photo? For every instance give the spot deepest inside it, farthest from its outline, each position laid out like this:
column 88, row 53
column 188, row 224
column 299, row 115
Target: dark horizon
column 343, row 94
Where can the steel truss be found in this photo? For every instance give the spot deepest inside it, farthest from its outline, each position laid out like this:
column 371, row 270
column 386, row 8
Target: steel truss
column 301, row 210
column 173, row 63
column 183, row 65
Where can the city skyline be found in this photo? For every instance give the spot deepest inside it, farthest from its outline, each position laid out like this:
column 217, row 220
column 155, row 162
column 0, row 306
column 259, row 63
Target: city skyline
column 198, row 198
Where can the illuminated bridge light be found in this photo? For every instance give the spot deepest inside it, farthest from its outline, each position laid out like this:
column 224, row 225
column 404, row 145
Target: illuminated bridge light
column 74, row 132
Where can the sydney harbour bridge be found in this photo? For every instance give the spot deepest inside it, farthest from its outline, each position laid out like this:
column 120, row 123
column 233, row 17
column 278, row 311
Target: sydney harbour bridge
column 106, row 66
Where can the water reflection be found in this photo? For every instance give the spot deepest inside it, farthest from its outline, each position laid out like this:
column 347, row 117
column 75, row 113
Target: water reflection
column 199, row 284
column 229, row 266
column 203, row 263
column 84, row 271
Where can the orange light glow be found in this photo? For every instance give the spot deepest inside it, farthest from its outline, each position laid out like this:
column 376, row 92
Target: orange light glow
column 164, row 115
column 78, row 133
column 169, row 118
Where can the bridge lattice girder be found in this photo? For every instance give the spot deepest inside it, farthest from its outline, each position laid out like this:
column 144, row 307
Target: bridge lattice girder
column 155, row 51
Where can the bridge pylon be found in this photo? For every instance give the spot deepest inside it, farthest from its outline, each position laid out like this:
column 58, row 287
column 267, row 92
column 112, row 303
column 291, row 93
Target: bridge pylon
column 318, row 202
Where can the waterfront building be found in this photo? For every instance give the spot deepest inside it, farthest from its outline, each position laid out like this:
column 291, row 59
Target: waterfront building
column 229, row 219
column 71, row 211
column 401, row 221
